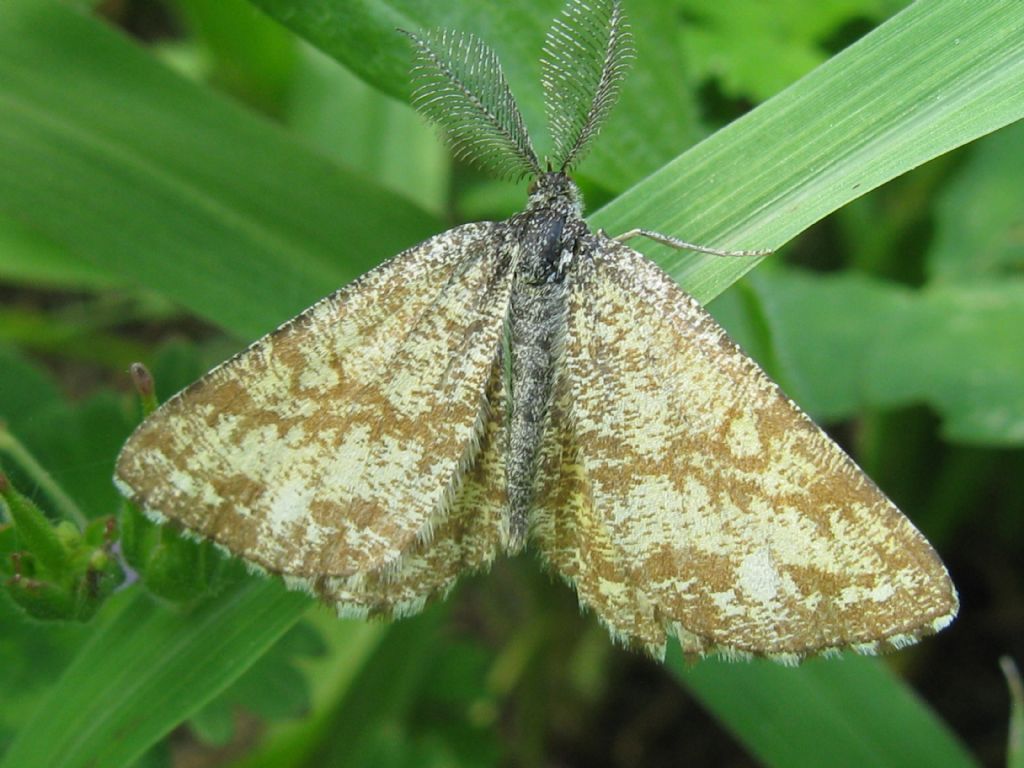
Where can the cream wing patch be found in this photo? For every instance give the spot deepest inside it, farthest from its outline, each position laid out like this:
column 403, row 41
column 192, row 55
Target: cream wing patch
column 744, row 524
column 327, row 447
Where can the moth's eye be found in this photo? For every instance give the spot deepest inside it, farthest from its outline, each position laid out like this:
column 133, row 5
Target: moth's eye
column 533, row 186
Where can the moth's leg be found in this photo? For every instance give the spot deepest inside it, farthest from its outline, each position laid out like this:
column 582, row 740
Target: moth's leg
column 685, row 246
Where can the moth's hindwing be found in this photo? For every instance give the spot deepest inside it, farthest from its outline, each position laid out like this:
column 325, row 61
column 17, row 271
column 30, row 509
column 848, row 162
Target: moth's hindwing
column 572, row 539
column 467, row 539
column 711, row 500
column 328, row 446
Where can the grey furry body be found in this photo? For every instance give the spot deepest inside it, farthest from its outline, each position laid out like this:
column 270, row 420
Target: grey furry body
column 548, row 238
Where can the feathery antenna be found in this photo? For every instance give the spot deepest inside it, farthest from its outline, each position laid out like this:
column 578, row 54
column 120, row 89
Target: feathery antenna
column 585, row 57
column 460, row 86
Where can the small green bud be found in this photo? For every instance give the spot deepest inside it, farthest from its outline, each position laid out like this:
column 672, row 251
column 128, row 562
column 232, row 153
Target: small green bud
column 35, row 532
column 178, row 569
column 56, row 570
column 144, row 385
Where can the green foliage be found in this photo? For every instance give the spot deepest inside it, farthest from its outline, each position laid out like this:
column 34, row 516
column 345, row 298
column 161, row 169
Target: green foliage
column 237, row 175
column 170, row 566
column 848, row 341
column 841, row 699
column 55, row 571
column 731, row 40
column 147, row 667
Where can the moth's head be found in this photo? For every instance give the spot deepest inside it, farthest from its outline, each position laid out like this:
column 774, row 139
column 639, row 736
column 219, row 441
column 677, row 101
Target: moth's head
column 555, row 191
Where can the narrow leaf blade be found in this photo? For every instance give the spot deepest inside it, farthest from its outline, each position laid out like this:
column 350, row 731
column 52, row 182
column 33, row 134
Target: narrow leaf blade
column 146, row 668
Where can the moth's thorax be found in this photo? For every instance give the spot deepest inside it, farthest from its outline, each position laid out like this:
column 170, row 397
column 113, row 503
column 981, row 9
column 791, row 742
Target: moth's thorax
column 548, row 231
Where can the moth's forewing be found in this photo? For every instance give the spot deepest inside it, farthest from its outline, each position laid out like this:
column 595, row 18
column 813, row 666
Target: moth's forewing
column 328, row 446
column 711, row 497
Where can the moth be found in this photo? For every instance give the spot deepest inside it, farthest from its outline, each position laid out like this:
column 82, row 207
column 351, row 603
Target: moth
column 530, row 382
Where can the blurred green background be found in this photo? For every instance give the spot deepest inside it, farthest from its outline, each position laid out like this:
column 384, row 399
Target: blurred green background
column 180, row 176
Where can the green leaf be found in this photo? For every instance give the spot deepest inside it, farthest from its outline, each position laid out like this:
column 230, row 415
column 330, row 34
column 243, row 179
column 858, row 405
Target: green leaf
column 730, row 40
column 980, row 221
column 375, row 714
column 840, row 712
column 75, row 443
column 27, row 390
column 78, row 331
column 843, row 342
column 959, row 349
column 402, row 697
column 32, row 656
column 246, row 53
column 30, row 259
column 151, row 178
column 78, row 443
column 389, row 142
column 147, row 667
column 930, row 79
column 272, row 688
column 822, row 329
column 35, row 532
column 332, row 679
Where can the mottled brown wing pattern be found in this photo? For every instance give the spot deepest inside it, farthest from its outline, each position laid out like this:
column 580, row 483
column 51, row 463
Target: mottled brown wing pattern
column 297, row 452
column 746, row 528
column 466, row 539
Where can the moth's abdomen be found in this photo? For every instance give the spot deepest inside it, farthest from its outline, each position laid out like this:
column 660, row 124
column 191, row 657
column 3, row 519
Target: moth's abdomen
column 536, row 328
column 536, row 324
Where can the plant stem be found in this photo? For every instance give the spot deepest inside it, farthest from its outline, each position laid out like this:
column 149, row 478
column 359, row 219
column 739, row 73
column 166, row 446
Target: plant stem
column 64, row 504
